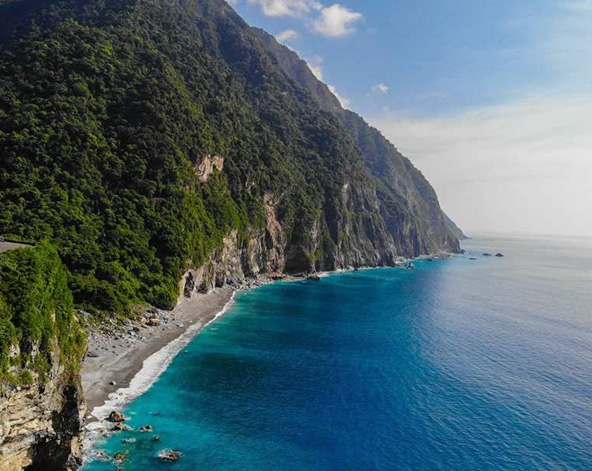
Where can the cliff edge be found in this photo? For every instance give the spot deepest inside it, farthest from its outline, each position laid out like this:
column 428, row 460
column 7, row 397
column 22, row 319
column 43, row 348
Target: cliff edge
column 41, row 346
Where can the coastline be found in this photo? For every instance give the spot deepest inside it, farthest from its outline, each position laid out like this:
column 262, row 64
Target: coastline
column 121, row 354
column 130, row 360
column 127, row 362
column 135, row 367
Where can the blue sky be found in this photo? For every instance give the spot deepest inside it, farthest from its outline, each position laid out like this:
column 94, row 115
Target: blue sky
column 491, row 99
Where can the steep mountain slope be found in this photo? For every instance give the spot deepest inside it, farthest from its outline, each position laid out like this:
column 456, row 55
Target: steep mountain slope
column 454, row 229
column 409, row 206
column 146, row 138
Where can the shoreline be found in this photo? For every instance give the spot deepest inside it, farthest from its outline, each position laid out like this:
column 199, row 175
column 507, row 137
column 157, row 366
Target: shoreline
column 123, row 364
column 118, row 356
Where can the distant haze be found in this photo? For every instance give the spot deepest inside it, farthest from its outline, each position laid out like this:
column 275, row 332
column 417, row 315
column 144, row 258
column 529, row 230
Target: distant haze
column 522, row 167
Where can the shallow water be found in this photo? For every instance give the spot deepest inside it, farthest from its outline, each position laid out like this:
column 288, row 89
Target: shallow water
column 458, row 365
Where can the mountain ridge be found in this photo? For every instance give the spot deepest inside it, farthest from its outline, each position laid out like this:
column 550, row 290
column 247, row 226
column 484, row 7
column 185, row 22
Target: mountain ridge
column 141, row 93
column 386, row 163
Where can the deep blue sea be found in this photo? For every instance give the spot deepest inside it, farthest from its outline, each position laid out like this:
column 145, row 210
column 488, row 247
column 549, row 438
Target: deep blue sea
column 458, row 365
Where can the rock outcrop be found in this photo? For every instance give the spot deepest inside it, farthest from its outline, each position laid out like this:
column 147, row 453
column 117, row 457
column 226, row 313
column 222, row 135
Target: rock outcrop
column 40, row 425
column 210, row 163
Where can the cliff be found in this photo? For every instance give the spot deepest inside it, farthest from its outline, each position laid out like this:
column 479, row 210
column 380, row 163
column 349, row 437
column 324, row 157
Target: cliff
column 41, row 346
column 454, row 229
column 408, row 203
column 151, row 140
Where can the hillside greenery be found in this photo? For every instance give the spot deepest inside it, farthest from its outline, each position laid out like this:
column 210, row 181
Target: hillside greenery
column 100, row 130
column 106, row 109
column 36, row 315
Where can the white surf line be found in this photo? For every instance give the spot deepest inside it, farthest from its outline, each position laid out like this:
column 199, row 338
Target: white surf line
column 152, row 368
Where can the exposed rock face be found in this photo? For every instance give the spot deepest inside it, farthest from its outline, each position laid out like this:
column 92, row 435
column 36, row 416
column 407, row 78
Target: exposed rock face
column 40, row 426
column 206, row 167
column 456, row 231
column 238, row 260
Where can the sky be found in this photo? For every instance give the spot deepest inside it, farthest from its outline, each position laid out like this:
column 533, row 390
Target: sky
column 490, row 99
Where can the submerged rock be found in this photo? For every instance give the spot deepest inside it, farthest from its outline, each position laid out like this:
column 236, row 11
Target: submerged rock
column 146, row 428
column 121, row 456
column 313, row 277
column 499, row 255
column 487, row 254
column 121, row 427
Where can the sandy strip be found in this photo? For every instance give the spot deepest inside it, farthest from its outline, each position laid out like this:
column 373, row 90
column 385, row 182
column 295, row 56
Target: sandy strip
column 121, row 356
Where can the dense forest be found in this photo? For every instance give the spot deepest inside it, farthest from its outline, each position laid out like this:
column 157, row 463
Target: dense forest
column 107, row 110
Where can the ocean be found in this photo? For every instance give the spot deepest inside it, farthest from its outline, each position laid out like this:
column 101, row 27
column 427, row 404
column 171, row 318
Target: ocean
column 458, row 365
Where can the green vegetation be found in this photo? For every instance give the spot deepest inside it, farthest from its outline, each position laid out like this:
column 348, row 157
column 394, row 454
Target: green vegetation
column 36, row 315
column 409, row 205
column 106, row 109
column 103, row 117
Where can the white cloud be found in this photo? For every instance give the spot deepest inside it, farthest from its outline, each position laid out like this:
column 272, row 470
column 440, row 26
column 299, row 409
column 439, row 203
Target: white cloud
column 524, row 166
column 288, row 35
column 345, row 102
column 336, row 21
column 333, row 21
column 315, row 64
column 286, row 7
column 381, row 88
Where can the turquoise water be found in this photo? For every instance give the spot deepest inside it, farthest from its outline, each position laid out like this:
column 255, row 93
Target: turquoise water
column 458, row 365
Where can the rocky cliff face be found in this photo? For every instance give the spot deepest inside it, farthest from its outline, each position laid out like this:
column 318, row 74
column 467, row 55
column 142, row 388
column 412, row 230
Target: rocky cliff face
column 41, row 346
column 40, row 425
column 455, row 230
